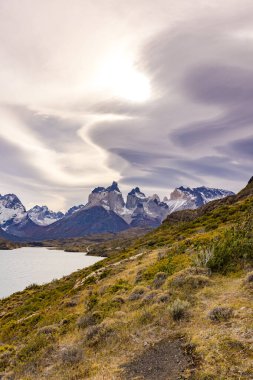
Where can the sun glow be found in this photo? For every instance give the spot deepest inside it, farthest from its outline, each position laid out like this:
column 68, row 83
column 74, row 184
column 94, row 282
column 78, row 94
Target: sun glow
column 120, row 78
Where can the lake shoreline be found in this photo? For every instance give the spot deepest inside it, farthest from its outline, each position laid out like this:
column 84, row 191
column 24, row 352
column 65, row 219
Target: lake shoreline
column 21, row 267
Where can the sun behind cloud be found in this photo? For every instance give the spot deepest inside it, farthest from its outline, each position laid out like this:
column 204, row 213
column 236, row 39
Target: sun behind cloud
column 119, row 77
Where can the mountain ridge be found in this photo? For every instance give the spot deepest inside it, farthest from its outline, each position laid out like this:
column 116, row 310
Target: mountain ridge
column 138, row 210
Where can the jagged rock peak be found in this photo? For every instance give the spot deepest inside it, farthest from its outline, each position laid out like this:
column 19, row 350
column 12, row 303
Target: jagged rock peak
column 134, row 197
column 113, row 187
column 109, row 198
column 155, row 198
column 42, row 216
column 12, row 211
column 100, row 189
column 11, row 201
column 135, row 191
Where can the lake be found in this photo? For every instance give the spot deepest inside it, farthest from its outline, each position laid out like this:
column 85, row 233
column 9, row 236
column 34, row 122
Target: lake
column 28, row 265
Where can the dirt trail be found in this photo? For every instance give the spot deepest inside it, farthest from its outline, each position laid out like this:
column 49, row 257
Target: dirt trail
column 166, row 360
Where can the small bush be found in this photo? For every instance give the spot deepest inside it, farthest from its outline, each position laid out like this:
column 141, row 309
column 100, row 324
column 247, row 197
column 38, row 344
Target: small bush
column 32, row 287
column 88, row 319
column 120, row 285
column 71, row 355
column 5, row 358
column 233, row 249
column 164, row 298
column 150, row 297
column 161, row 255
column 92, row 331
column 98, row 334
column 249, row 278
column 139, row 276
column 196, row 282
column 71, row 303
column 178, row 309
column 92, row 301
column 220, row 313
column 136, row 294
column 159, row 279
column 48, row 330
column 34, row 345
column 190, row 281
column 118, row 300
column 203, row 257
column 146, row 317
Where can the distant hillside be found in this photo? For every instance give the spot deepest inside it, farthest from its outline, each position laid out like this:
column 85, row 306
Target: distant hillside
column 6, row 244
column 176, row 303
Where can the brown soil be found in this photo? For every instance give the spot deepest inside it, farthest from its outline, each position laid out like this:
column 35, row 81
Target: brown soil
column 166, row 360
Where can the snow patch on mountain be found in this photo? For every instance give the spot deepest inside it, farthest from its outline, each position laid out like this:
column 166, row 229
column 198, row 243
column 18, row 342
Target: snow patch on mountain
column 109, row 198
column 42, row 216
column 183, row 198
column 74, row 209
column 12, row 211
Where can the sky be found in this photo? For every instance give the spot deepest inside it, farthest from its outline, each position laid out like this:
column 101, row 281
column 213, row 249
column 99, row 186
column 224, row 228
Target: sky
column 149, row 94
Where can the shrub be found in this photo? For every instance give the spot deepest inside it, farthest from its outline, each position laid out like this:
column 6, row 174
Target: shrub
column 164, row 298
column 146, row 317
column 48, row 330
column 235, row 246
column 159, row 279
column 119, row 286
column 161, row 255
column 249, row 278
column 88, row 319
column 203, row 257
column 118, row 300
column 71, row 355
column 92, row 301
column 97, row 334
column 136, row 294
column 150, row 297
column 5, row 358
column 139, row 276
column 192, row 278
column 178, row 309
column 34, row 345
column 32, row 287
column 220, row 313
column 71, row 303
column 92, row 331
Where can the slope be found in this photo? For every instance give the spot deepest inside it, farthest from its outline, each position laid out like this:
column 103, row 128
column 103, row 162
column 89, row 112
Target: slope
column 84, row 222
column 182, row 292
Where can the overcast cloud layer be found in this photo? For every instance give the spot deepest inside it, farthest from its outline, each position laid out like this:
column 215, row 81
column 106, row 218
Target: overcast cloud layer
column 70, row 116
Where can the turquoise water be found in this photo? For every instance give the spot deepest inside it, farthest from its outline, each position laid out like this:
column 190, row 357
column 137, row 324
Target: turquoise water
column 28, row 265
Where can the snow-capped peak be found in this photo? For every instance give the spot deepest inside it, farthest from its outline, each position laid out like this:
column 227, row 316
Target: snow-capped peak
column 185, row 197
column 11, row 210
column 134, row 197
column 109, row 198
column 42, row 216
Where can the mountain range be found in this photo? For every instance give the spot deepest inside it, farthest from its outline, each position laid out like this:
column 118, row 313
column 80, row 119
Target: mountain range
column 105, row 211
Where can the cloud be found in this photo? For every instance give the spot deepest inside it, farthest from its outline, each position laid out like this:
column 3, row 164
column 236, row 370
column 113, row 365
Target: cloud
column 238, row 149
column 14, row 160
column 201, row 78
column 62, row 133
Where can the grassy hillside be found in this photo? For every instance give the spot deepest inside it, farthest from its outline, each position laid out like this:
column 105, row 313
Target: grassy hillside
column 176, row 304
